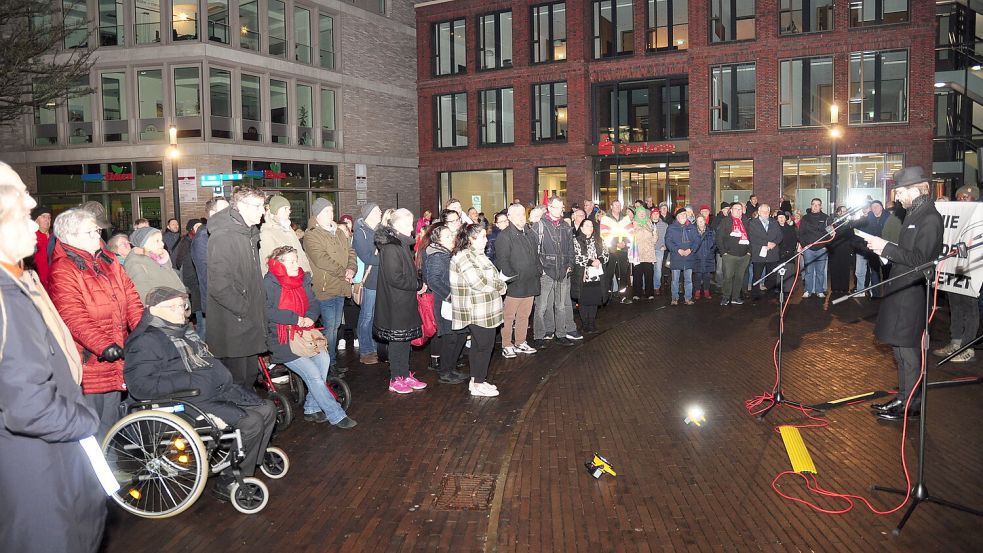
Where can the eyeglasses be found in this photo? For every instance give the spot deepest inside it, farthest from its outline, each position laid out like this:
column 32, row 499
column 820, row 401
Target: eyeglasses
column 182, row 307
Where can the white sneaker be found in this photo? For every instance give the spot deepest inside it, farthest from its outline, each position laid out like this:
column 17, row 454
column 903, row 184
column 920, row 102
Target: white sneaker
column 525, row 348
column 820, row 295
column 806, row 295
column 355, row 341
column 948, row 349
column 964, row 357
column 482, row 390
column 508, row 352
column 342, row 344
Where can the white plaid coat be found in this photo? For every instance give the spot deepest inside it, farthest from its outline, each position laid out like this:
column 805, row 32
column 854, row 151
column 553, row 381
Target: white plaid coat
column 476, row 290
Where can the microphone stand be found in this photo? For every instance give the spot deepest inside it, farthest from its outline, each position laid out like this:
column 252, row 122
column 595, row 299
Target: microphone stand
column 920, row 491
column 777, row 395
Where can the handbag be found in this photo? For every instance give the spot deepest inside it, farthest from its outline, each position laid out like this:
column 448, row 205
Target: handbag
column 307, row 342
column 424, row 304
column 358, row 287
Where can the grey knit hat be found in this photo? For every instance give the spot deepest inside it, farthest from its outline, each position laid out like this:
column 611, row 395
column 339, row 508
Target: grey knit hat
column 367, row 208
column 140, row 236
column 320, row 205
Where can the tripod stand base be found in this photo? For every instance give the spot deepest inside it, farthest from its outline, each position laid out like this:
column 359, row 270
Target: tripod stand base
column 918, row 495
column 779, row 398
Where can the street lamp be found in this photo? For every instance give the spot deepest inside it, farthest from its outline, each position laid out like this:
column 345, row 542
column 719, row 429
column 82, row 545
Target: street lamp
column 835, row 133
column 173, row 153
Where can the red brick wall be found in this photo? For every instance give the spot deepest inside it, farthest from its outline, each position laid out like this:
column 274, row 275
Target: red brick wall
column 766, row 145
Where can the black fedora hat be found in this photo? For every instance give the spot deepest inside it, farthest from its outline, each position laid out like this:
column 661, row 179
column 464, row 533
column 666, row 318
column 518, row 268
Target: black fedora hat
column 909, row 176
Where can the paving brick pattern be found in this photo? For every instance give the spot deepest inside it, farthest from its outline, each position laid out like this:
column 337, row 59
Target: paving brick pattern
column 622, row 393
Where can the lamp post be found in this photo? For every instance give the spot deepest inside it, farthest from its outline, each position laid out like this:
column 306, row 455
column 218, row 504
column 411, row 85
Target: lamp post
column 835, row 132
column 173, row 153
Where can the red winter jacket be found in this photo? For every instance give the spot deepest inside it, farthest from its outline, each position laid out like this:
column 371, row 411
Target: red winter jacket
column 41, row 259
column 100, row 305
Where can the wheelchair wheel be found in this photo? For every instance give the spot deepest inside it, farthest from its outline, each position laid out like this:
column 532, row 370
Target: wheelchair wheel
column 275, row 463
column 250, row 497
column 284, row 412
column 298, row 390
column 159, row 461
column 339, row 389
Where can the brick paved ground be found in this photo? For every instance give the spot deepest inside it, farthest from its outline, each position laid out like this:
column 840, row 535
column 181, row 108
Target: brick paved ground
column 622, row 393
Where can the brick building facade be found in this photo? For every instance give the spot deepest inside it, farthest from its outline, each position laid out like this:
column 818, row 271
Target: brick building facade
column 785, row 159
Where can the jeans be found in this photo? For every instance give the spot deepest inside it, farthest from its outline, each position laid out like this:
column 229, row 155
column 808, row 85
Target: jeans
column 703, row 282
column 314, row 372
column 814, row 263
column 331, row 312
column 554, row 311
column 861, row 271
column 687, row 286
column 366, row 343
column 733, row 268
column 660, row 258
column 200, row 324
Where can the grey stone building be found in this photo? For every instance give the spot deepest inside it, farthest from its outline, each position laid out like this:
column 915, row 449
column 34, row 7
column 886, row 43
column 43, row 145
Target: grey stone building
column 297, row 96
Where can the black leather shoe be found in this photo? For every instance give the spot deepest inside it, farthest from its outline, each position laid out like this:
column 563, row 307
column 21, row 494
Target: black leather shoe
column 898, row 414
column 885, row 407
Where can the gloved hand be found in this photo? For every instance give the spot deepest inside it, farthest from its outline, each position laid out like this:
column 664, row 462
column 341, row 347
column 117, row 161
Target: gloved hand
column 112, row 353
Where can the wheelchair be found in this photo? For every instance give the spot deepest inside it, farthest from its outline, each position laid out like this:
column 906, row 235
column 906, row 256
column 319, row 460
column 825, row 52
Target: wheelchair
column 276, row 376
column 163, row 451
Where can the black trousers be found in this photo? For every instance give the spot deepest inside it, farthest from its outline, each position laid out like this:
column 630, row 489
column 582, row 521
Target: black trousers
column 451, row 346
column 642, row 279
column 243, row 369
column 909, row 367
column 760, row 269
column 399, row 359
column 482, row 343
column 618, row 267
column 588, row 316
column 256, row 428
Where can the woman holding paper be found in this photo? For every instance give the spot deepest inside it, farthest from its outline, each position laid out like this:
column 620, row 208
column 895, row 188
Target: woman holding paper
column 589, row 258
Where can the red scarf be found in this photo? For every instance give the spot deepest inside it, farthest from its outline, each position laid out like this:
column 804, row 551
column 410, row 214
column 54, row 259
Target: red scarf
column 739, row 226
column 293, row 298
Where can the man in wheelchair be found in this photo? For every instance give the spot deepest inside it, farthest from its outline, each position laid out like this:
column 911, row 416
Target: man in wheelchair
column 164, row 355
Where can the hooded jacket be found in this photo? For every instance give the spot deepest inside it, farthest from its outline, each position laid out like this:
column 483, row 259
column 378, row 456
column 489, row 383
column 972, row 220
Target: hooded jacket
column 330, row 255
column 397, row 317
column 682, row 237
column 100, row 305
column 147, row 274
column 437, row 275
column 236, row 300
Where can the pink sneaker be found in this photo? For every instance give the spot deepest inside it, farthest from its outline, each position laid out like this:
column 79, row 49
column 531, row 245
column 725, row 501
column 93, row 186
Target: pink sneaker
column 399, row 386
column 412, row 382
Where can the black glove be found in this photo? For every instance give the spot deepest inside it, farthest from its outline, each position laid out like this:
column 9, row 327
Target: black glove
column 112, row 353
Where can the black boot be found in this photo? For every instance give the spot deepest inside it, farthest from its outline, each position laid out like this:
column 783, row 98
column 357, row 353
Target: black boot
column 434, row 364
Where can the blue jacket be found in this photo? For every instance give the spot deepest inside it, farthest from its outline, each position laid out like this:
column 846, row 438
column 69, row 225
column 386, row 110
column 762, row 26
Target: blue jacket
column 682, row 237
column 706, row 254
column 363, row 242
column 199, row 257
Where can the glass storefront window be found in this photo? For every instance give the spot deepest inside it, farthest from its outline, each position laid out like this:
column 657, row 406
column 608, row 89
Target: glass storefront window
column 278, row 112
column 551, row 181
column 220, row 97
column 252, row 113
column 147, row 21
column 80, row 116
column 325, row 41
column 114, row 119
column 644, row 178
column 305, row 115
column 323, row 176
column 277, row 28
column 111, row 16
column 150, row 104
column 733, row 180
column 249, row 24
column 148, row 175
column 859, row 176
column 328, row 129
column 302, row 35
column 218, row 21
column 184, row 20
column 58, row 179
column 487, row 191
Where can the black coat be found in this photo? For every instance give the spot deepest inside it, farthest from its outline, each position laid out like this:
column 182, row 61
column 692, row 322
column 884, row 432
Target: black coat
column 789, row 240
column 274, row 315
column 901, row 318
column 812, row 228
column 517, row 255
column 760, row 237
column 186, row 268
column 236, row 300
column 397, row 316
column 50, row 499
column 154, row 368
column 730, row 245
column 437, row 275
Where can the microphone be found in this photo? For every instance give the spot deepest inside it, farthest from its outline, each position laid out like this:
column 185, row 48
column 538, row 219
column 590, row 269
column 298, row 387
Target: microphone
column 844, row 217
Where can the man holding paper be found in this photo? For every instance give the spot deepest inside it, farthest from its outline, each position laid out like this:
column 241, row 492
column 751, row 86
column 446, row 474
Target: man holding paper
column 765, row 236
column 50, row 498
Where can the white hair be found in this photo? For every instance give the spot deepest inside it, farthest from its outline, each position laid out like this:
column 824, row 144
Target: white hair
column 10, row 177
column 401, row 213
column 70, row 222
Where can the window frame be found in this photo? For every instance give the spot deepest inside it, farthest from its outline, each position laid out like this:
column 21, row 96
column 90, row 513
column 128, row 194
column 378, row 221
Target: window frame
column 735, row 93
column 666, row 83
column 480, row 50
column 435, row 44
column 878, row 83
column 453, row 117
column 806, row 91
column 734, row 19
column 499, row 117
column 537, row 120
column 595, row 29
column 878, row 20
column 534, row 44
column 806, row 9
column 211, row 114
column 670, row 25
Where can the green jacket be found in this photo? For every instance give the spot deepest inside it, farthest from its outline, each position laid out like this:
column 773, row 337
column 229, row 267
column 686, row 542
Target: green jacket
column 330, row 255
column 147, row 274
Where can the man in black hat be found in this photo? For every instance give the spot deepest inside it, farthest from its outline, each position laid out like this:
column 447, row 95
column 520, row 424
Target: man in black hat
column 901, row 320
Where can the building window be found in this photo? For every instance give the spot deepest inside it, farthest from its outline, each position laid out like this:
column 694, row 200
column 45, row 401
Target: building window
column 278, row 112
column 252, row 108
column 305, row 115
column 805, row 16
column 150, row 104
column 326, row 41
column 299, row 183
column 549, row 32
column 551, row 181
column 861, row 177
column 732, row 97
column 733, row 180
column 497, row 123
column 487, row 191
column 147, row 22
column 303, row 52
column 549, row 102
column 495, row 40
column 115, row 122
column 276, row 14
column 451, row 113
column 878, row 87
column 642, row 111
column 249, row 24
column 187, row 101
column 80, row 115
column 111, row 16
column 184, row 20
column 328, row 125
column 668, row 24
column 866, row 13
column 218, row 21
column 76, row 23
column 449, row 54
column 46, row 124
column 614, row 33
column 806, row 91
column 731, row 20
column 220, row 102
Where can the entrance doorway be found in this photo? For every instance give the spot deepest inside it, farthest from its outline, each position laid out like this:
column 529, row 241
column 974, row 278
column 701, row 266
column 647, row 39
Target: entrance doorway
column 666, row 181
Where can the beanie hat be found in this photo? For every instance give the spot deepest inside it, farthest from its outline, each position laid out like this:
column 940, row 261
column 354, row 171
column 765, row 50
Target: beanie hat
column 704, row 206
column 140, row 236
column 969, row 190
column 320, row 205
column 162, row 294
column 277, row 203
column 39, row 211
column 724, row 205
column 366, row 209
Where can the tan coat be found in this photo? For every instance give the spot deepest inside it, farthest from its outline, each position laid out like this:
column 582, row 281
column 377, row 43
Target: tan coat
column 330, row 256
column 273, row 235
column 645, row 242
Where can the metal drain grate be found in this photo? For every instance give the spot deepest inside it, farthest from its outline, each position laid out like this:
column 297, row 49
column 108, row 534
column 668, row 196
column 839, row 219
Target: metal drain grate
column 465, row 492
